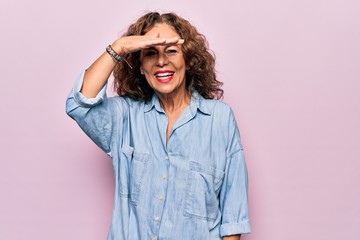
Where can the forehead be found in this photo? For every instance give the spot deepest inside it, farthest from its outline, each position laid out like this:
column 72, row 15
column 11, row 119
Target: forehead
column 162, row 30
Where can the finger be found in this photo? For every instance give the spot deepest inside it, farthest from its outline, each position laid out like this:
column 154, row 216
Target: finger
column 171, row 41
column 177, row 41
column 158, row 40
column 181, row 41
column 154, row 42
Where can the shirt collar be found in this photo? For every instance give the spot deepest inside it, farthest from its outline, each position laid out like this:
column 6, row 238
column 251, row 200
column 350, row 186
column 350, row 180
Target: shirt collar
column 153, row 103
column 197, row 102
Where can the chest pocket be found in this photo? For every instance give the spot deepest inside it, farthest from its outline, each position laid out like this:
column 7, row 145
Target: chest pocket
column 203, row 186
column 138, row 165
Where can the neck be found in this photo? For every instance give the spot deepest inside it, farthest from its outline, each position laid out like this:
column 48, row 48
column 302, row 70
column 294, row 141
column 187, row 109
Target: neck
column 175, row 101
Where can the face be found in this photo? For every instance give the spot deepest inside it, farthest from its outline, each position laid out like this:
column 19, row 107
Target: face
column 164, row 66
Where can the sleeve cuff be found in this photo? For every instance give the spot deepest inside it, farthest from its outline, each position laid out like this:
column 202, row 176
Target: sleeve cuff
column 235, row 228
column 84, row 101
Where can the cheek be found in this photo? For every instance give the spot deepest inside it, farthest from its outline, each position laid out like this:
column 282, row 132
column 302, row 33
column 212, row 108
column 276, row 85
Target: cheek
column 147, row 78
column 147, row 66
column 144, row 63
column 181, row 65
column 182, row 70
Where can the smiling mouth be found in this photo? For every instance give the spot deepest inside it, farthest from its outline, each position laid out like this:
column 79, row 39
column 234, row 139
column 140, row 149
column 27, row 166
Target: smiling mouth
column 164, row 76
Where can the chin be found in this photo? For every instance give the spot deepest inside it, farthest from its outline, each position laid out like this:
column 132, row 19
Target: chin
column 162, row 91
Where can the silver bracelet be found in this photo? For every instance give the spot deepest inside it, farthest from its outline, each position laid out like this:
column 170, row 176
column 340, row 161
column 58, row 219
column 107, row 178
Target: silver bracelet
column 112, row 53
column 116, row 56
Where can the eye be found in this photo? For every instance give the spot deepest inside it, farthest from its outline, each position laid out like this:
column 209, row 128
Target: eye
column 150, row 53
column 171, row 51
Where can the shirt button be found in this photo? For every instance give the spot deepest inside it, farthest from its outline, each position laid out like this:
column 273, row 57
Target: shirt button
column 161, row 197
column 157, row 218
column 164, row 177
column 154, row 238
column 167, row 158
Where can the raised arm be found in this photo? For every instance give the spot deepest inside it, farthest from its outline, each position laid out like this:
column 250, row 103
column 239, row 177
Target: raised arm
column 98, row 73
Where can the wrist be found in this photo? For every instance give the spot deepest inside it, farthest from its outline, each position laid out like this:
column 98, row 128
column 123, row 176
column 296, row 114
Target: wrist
column 118, row 47
column 116, row 57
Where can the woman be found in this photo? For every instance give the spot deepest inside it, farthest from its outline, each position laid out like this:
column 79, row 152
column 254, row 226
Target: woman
column 176, row 152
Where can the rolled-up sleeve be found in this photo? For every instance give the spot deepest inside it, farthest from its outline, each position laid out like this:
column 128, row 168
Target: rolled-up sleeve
column 80, row 99
column 234, row 191
column 95, row 116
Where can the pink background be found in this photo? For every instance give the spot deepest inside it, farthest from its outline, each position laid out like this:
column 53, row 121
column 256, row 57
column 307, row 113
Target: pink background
column 291, row 71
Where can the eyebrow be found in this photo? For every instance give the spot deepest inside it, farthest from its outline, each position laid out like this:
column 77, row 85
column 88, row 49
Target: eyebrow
column 149, row 48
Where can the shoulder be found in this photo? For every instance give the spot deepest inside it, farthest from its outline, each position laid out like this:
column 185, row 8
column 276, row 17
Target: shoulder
column 217, row 108
column 124, row 100
column 123, row 104
column 221, row 114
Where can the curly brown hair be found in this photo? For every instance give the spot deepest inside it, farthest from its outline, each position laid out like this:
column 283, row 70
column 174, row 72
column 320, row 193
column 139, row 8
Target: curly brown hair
column 199, row 60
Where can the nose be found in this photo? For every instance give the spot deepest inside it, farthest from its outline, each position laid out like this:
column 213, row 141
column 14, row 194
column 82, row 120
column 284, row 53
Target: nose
column 162, row 59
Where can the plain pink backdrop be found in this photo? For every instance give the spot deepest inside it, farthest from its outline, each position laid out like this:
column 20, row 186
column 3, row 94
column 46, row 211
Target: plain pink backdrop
column 291, row 71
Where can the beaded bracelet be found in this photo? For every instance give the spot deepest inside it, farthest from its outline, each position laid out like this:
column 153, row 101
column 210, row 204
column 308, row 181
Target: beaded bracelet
column 116, row 56
column 112, row 53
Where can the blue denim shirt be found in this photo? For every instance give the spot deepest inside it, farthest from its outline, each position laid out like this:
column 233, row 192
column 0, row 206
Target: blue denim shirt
column 194, row 186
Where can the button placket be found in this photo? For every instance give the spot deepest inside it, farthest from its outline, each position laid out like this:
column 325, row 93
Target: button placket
column 161, row 197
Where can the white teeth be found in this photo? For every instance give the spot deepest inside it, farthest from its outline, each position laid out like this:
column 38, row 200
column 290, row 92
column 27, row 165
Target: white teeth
column 164, row 74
